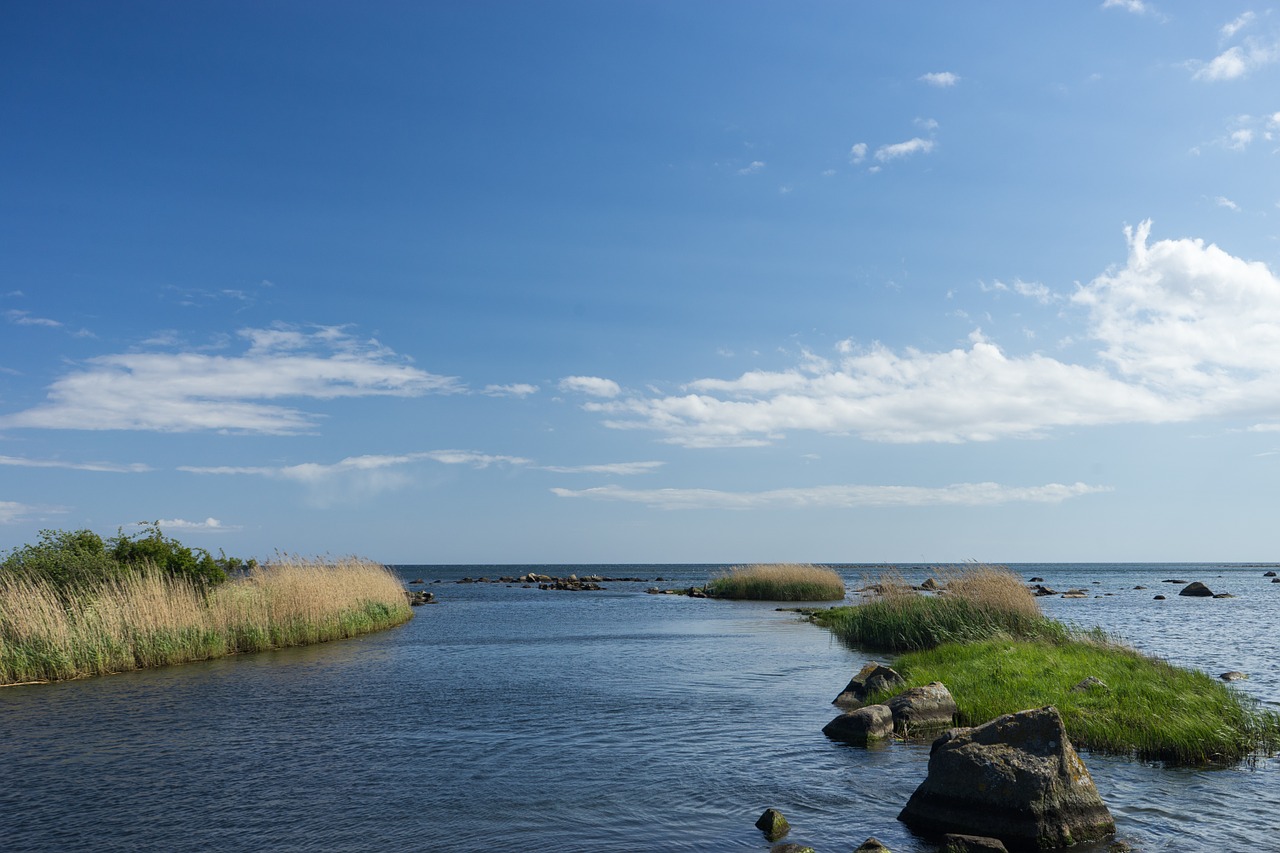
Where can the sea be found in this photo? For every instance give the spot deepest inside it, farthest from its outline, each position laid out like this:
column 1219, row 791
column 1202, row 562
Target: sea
column 511, row 718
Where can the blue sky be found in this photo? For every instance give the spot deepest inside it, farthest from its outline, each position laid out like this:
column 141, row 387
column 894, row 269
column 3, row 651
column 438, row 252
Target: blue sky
column 644, row 282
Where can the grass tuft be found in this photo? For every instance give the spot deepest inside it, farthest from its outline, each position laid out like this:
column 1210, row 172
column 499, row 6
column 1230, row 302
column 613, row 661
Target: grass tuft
column 778, row 582
column 148, row 618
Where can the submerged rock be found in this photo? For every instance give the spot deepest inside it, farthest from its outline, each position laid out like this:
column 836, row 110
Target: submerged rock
column 860, row 727
column 872, row 678
column 1196, row 590
column 928, row 707
column 1016, row 778
column 1233, row 675
column 791, row 848
column 956, row 842
column 773, row 824
column 872, row 845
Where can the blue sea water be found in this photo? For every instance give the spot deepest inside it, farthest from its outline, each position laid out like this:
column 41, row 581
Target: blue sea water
column 512, row 718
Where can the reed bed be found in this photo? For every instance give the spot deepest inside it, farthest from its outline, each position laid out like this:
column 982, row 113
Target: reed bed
column 147, row 618
column 978, row 602
column 778, row 582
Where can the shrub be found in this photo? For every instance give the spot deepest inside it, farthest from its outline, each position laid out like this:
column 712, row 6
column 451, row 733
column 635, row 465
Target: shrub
column 778, row 582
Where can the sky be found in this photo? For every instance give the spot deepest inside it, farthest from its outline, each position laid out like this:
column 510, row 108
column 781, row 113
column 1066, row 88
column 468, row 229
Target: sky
column 644, row 282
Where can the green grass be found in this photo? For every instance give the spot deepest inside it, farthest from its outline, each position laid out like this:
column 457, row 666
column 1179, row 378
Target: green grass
column 1149, row 708
column 778, row 582
column 987, row 641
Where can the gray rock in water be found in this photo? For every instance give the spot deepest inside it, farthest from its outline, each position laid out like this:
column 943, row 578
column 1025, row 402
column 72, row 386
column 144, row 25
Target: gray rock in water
column 872, row 678
column 928, row 707
column 956, row 842
column 874, row 722
column 1158, row 598
column 872, row 845
column 773, row 824
column 791, row 848
column 1196, row 590
column 1016, row 778
column 1233, row 675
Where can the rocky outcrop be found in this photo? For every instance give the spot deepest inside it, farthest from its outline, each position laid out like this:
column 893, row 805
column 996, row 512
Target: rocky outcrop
column 773, row 824
column 923, row 708
column 419, row 597
column 1196, row 590
column 863, row 726
column 872, row 678
column 1016, row 778
column 1233, row 675
column 872, row 845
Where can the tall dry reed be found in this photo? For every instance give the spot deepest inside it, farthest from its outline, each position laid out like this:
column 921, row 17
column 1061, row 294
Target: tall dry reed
column 778, row 582
column 149, row 619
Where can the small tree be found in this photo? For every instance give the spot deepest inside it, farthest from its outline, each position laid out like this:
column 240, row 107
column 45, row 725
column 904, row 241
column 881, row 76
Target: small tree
column 152, row 548
column 64, row 558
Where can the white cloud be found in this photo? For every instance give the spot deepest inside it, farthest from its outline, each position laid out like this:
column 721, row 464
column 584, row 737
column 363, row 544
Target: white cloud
column 1137, row 7
column 357, row 477
column 12, row 512
column 1030, row 289
column 519, row 389
column 1236, row 62
column 941, row 79
column 24, row 318
column 109, row 467
column 619, row 469
column 858, row 153
column 1240, row 139
column 1182, row 331
column 189, row 391
column 209, row 525
column 885, row 153
column 1223, row 201
column 1230, row 28
column 838, row 497
column 590, row 385
column 751, row 168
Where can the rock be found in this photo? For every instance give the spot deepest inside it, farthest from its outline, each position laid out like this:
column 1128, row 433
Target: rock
column 1158, row 598
column 1233, row 675
column 1275, row 580
column 1197, row 590
column 1173, row 580
column 872, row 845
column 1223, row 595
column 1139, row 586
column 1268, row 574
column 1036, row 580
column 1016, row 778
column 859, row 727
column 955, row 842
column 1075, row 593
column 872, row 678
column 773, row 824
column 1040, row 590
column 927, row 707
column 1090, row 683
column 791, row 848
column 931, row 585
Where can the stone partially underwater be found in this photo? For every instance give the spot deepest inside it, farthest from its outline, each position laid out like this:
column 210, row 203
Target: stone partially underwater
column 1016, row 778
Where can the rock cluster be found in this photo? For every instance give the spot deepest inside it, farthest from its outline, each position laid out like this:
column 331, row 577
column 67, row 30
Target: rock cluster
column 919, row 709
column 419, row 597
column 872, row 678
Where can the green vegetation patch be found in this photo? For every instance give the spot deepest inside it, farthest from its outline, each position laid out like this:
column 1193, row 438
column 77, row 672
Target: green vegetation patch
column 1144, row 707
column 778, row 582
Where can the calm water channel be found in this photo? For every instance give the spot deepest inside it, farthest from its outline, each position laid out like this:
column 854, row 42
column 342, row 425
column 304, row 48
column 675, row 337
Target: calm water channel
column 518, row 719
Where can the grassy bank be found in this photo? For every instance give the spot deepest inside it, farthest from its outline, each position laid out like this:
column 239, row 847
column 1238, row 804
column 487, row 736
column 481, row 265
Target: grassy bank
column 151, row 619
column 778, row 582
column 986, row 639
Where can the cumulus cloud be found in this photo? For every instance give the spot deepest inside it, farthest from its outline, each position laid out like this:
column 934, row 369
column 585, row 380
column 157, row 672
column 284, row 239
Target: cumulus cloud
column 188, row 391
column 858, row 153
column 1223, row 201
column 941, row 79
column 108, row 467
column 593, row 386
column 838, row 497
column 752, row 167
column 1181, row 331
column 885, row 153
column 1236, row 62
column 1230, row 28
column 1137, row 7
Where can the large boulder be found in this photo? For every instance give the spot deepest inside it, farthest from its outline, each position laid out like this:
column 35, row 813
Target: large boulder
column 872, row 678
column 1016, row 778
column 872, row 845
column 860, row 727
column 1196, row 590
column 928, row 707
column 773, row 824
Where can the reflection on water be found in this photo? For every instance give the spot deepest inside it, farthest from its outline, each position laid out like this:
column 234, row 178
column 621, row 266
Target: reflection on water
column 517, row 719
